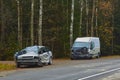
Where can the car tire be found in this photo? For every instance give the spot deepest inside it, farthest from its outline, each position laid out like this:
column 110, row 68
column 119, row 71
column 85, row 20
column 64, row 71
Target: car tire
column 50, row 61
column 18, row 65
column 40, row 63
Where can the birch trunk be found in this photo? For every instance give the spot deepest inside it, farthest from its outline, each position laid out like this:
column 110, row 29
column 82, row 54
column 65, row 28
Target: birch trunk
column 92, row 21
column 32, row 22
column 81, row 11
column 40, row 24
column 96, row 20
column 19, row 26
column 71, row 25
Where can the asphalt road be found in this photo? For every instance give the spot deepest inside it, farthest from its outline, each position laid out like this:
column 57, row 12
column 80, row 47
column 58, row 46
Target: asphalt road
column 95, row 69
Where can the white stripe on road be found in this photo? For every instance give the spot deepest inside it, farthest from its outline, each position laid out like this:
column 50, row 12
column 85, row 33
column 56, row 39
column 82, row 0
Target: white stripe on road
column 99, row 74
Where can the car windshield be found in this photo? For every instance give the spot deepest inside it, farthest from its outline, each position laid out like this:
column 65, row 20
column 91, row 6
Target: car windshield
column 32, row 49
column 81, row 44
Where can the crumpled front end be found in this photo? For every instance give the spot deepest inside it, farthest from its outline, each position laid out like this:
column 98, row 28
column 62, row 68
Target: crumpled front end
column 28, row 58
column 80, row 53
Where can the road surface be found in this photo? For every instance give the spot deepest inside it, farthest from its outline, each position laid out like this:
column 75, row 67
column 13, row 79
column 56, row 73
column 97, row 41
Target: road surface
column 95, row 69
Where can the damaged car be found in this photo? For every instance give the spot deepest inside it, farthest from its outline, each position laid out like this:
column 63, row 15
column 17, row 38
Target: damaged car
column 33, row 55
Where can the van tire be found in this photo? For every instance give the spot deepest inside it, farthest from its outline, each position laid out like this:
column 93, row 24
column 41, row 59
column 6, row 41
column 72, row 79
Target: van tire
column 93, row 57
column 72, row 58
column 98, row 56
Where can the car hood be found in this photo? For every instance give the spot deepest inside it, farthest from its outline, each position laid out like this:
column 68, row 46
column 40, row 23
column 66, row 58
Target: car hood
column 28, row 54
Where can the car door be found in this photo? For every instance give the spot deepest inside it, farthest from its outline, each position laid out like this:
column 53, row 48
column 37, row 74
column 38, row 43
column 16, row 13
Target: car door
column 44, row 55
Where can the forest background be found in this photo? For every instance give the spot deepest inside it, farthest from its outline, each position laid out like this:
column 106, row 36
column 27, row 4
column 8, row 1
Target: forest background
column 49, row 22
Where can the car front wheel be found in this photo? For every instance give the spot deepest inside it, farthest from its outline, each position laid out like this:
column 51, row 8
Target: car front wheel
column 50, row 61
column 17, row 65
column 40, row 63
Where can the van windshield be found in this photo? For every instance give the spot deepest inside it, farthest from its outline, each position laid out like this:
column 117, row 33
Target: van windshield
column 81, row 44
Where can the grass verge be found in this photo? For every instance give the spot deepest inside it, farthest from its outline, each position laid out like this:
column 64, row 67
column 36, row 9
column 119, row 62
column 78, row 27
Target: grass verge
column 5, row 67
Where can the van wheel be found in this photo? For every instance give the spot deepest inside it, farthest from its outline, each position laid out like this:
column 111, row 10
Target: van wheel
column 98, row 56
column 91, row 57
column 72, row 58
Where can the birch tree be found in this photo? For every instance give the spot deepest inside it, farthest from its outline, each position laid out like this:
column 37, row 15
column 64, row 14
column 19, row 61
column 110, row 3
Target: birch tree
column 71, row 25
column 92, row 21
column 40, row 24
column 81, row 11
column 32, row 22
column 96, row 17
column 19, row 26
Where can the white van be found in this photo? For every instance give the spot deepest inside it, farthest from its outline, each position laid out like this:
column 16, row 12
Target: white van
column 86, row 47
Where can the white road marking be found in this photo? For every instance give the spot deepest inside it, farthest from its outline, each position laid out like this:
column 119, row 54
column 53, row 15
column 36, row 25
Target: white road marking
column 99, row 74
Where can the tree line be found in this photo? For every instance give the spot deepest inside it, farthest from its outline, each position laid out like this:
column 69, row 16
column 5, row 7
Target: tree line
column 57, row 23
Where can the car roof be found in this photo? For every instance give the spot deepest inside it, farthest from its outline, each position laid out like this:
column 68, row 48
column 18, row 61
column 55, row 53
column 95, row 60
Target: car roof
column 41, row 46
column 85, row 39
column 35, row 46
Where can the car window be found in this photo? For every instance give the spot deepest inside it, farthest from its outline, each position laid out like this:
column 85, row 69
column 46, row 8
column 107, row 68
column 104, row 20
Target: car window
column 44, row 49
column 41, row 51
column 47, row 49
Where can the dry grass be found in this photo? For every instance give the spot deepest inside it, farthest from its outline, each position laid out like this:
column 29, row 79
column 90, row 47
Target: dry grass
column 10, row 65
column 111, row 57
column 5, row 67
